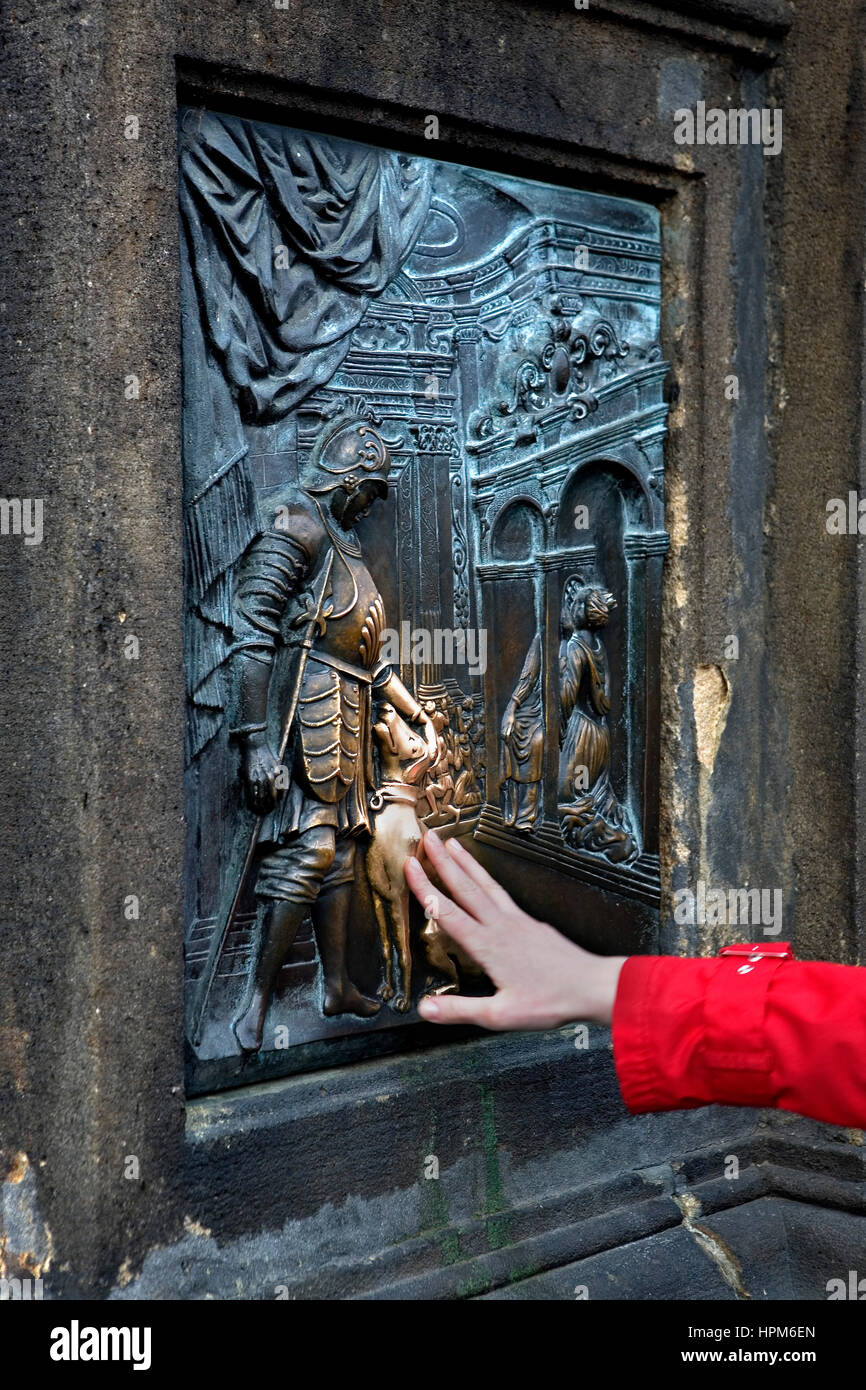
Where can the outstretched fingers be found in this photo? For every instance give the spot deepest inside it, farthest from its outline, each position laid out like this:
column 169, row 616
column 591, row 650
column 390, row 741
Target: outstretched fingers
column 497, row 894
column 464, row 928
column 471, row 895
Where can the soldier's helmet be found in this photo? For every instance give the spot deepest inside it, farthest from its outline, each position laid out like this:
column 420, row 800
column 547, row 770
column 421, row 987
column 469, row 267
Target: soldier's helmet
column 348, row 452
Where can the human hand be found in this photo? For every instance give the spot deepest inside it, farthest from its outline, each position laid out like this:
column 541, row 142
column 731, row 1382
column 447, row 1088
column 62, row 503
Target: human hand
column 543, row 980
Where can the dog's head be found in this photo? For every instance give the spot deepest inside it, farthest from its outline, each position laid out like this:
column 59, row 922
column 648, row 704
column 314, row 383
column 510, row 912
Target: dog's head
column 405, row 755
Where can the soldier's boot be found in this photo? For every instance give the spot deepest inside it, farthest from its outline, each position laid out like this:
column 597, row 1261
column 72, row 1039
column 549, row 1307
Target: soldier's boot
column 331, row 920
column 276, row 932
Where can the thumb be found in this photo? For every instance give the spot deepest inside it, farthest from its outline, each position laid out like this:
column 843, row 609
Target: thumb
column 457, row 1008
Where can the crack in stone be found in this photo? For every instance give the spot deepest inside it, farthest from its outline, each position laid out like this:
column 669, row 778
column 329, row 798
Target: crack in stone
column 712, row 1244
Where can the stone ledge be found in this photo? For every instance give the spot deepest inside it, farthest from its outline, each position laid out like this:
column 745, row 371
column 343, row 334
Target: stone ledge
column 768, row 1249
column 728, row 23
column 541, row 1170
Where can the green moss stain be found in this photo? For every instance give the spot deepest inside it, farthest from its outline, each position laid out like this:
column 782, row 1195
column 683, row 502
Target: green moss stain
column 496, row 1225
column 434, row 1213
column 433, row 1206
column 449, row 1247
column 474, row 1285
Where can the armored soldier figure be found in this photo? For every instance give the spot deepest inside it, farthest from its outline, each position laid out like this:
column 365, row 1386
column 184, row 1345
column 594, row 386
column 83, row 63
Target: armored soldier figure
column 310, row 833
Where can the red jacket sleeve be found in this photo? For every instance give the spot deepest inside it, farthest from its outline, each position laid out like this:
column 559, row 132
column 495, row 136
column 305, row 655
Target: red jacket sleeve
column 750, row 1027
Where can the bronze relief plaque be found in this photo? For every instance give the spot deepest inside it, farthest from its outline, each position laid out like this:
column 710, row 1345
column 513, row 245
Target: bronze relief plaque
column 423, row 483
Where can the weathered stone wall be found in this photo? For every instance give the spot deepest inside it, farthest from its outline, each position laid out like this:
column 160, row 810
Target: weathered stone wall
column 763, row 279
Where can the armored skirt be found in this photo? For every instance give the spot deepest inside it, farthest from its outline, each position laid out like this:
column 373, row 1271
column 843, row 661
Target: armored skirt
column 331, row 748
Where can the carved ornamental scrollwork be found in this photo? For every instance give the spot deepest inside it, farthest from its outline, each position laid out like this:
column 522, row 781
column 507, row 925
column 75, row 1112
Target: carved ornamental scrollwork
column 559, row 378
column 380, row 335
column 432, row 438
column 460, row 551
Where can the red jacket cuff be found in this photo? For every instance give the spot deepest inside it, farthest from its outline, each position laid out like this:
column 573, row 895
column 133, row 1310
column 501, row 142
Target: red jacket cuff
column 692, row 1032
